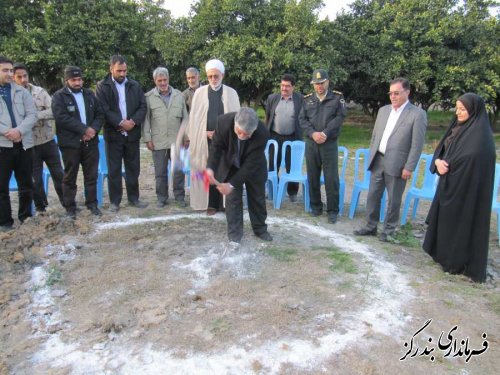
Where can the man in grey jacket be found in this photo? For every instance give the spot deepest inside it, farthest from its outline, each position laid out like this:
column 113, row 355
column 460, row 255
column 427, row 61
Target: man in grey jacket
column 17, row 117
column 45, row 148
column 396, row 144
column 166, row 110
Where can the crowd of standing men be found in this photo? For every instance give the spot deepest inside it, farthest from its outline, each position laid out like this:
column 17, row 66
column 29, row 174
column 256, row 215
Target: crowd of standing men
column 225, row 141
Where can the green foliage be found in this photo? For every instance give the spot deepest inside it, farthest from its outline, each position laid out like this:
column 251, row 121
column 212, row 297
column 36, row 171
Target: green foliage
column 444, row 47
column 85, row 34
column 405, row 237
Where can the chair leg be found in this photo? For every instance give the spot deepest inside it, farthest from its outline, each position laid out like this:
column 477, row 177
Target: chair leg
column 354, row 202
column 341, row 198
column 279, row 198
column 498, row 226
column 100, row 183
column 415, row 206
column 307, row 199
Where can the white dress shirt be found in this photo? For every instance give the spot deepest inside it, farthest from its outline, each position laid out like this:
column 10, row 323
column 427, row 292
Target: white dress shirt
column 389, row 127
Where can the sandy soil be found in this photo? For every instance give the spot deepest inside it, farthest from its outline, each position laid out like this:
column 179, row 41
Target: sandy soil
column 161, row 292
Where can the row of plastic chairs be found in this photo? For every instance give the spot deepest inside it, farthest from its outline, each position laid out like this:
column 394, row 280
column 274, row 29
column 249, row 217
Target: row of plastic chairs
column 276, row 184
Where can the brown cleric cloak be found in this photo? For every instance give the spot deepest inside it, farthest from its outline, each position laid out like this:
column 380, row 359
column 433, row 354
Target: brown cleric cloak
column 459, row 218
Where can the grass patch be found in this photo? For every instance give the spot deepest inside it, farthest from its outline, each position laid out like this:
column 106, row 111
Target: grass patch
column 494, row 303
column 405, row 236
column 341, row 261
column 280, row 253
column 219, row 325
column 54, row 276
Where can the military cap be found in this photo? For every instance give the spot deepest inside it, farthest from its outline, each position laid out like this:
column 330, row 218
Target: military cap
column 319, row 76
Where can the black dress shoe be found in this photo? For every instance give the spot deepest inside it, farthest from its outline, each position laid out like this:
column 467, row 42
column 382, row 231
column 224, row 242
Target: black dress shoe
column 71, row 213
column 332, row 218
column 366, row 232
column 138, row 204
column 265, row 236
column 384, row 237
column 293, row 198
column 95, row 211
column 316, row 213
column 114, row 207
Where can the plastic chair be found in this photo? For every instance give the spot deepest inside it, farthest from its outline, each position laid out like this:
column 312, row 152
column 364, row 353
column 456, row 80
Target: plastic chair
column 272, row 176
column 415, row 193
column 362, row 182
column 344, row 157
column 495, row 206
column 102, row 171
column 297, row 149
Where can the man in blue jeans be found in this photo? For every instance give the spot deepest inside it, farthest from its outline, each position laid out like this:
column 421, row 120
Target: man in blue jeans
column 17, row 117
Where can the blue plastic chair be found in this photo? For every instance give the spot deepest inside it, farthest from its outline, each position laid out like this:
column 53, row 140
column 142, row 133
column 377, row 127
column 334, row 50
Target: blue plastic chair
column 272, row 176
column 495, row 206
column 426, row 191
column 362, row 182
column 102, row 171
column 297, row 149
column 344, row 155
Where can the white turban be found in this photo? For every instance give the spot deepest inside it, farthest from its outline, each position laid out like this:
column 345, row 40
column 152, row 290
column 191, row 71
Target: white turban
column 215, row 64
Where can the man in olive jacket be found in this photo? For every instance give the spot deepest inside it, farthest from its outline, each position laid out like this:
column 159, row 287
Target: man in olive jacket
column 79, row 118
column 125, row 108
column 166, row 111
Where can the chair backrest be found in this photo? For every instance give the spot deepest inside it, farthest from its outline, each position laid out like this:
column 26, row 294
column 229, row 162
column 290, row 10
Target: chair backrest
column 361, row 156
column 429, row 180
column 274, row 144
column 344, row 154
column 297, row 151
column 495, row 187
column 103, row 166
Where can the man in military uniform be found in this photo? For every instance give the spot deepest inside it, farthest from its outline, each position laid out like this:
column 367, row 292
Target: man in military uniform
column 321, row 118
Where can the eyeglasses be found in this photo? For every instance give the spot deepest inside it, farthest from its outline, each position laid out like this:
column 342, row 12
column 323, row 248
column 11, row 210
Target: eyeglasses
column 214, row 76
column 395, row 93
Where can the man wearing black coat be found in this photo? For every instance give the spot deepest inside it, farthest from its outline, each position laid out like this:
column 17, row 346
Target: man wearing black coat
column 237, row 157
column 282, row 120
column 125, row 109
column 79, row 118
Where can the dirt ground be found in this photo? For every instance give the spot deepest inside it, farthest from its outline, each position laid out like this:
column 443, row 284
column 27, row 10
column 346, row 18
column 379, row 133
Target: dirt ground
column 160, row 291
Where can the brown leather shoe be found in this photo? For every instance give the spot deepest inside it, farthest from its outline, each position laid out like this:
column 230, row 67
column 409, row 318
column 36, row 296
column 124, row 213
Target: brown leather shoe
column 211, row 211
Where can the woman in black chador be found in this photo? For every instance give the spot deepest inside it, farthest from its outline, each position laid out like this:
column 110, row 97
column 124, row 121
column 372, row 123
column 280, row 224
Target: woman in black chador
column 459, row 218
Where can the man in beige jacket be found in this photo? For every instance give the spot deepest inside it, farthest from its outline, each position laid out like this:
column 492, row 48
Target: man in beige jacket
column 45, row 148
column 166, row 111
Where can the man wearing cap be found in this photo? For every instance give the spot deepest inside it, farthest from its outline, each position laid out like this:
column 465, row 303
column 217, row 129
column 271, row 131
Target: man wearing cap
column 237, row 158
column 193, row 80
column 125, row 109
column 282, row 120
column 17, row 117
column 79, row 118
column 209, row 102
column 45, row 148
column 166, row 112
column 397, row 141
column 321, row 118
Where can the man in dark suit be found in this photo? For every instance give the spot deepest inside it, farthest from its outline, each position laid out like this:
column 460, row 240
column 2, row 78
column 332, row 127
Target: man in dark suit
column 282, row 120
column 396, row 144
column 79, row 118
column 125, row 109
column 236, row 158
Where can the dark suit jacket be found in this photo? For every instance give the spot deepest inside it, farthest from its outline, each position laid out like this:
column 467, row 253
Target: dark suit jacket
column 224, row 149
column 69, row 127
column 272, row 103
column 406, row 141
column 107, row 94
